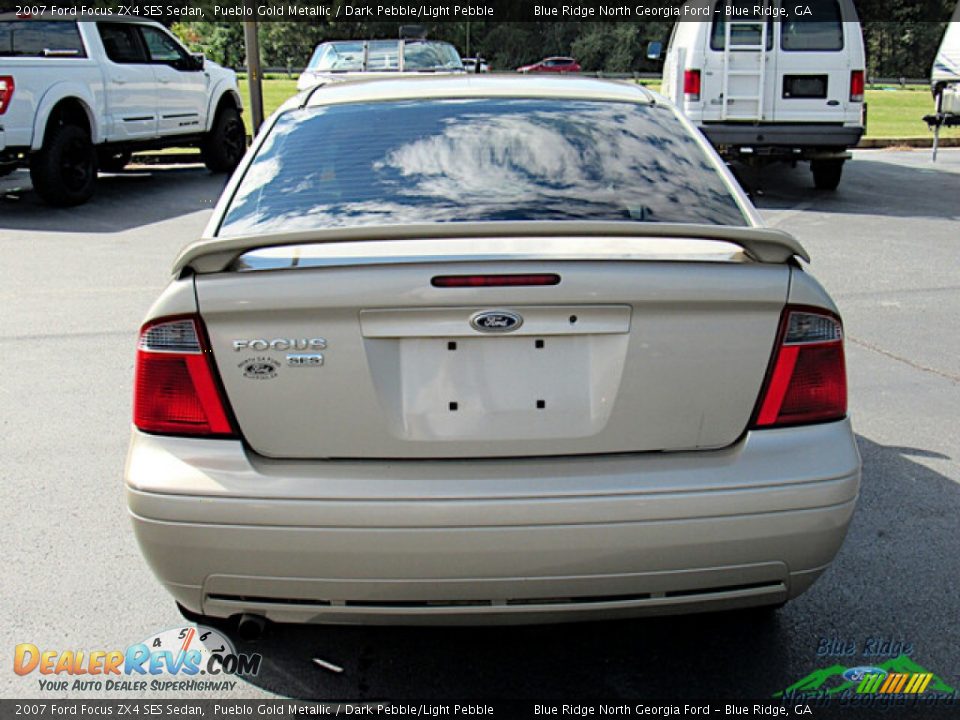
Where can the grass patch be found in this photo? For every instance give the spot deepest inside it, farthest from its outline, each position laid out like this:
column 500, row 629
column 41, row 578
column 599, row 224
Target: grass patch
column 276, row 89
column 896, row 113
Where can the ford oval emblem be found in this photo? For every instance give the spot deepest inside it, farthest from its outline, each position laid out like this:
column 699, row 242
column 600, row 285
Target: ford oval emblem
column 855, row 674
column 496, row 321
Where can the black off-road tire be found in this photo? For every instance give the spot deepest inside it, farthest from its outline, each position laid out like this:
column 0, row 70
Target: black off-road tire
column 826, row 173
column 64, row 171
column 114, row 161
column 195, row 617
column 225, row 144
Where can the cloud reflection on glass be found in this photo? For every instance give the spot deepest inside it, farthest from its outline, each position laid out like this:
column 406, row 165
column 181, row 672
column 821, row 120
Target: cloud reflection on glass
column 438, row 161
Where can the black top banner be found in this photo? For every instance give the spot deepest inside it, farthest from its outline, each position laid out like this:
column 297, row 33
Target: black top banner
column 439, row 11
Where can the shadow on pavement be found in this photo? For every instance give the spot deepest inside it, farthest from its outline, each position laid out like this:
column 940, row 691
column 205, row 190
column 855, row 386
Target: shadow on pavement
column 874, row 186
column 886, row 578
column 122, row 201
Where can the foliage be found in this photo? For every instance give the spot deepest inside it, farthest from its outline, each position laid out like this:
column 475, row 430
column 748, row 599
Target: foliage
column 222, row 42
column 903, row 47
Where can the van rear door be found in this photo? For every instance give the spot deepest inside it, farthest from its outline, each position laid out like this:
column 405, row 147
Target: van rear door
column 739, row 83
column 814, row 60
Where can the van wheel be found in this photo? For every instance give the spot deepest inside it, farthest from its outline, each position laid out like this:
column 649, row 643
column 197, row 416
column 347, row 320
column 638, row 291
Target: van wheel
column 115, row 161
column 826, row 173
column 65, row 170
column 226, row 142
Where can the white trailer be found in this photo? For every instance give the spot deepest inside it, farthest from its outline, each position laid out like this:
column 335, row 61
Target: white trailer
column 945, row 82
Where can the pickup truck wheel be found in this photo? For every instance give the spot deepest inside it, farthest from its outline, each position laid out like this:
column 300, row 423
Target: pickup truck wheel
column 226, row 142
column 826, row 173
column 65, row 170
column 115, row 161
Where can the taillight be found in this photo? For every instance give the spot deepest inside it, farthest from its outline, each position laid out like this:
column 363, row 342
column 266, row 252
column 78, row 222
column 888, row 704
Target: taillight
column 176, row 391
column 691, row 85
column 470, row 281
column 808, row 379
column 856, row 85
column 6, row 92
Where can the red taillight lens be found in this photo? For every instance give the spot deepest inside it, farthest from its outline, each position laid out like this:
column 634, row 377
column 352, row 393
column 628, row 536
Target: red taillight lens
column 176, row 390
column 6, row 92
column 856, row 85
column 808, row 381
column 691, row 85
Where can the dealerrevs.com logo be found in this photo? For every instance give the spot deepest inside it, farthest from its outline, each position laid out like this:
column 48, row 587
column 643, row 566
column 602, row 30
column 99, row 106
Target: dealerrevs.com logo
column 181, row 659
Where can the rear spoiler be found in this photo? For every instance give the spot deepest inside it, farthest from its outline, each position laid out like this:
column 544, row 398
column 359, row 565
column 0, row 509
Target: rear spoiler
column 764, row 245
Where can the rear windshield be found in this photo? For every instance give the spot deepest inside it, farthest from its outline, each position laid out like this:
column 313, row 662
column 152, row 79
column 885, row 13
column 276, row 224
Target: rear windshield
column 478, row 160
column 743, row 32
column 821, row 30
column 37, row 38
column 384, row 55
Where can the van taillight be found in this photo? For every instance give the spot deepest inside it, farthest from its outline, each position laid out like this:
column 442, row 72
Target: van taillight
column 6, row 92
column 691, row 85
column 807, row 382
column 856, row 85
column 176, row 390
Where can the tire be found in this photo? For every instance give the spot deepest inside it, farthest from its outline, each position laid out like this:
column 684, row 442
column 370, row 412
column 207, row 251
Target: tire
column 229, row 625
column 759, row 613
column 115, row 161
column 197, row 617
column 64, row 171
column 225, row 144
column 826, row 173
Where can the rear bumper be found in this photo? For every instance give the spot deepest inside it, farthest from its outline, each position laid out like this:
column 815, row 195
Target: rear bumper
column 492, row 541
column 790, row 136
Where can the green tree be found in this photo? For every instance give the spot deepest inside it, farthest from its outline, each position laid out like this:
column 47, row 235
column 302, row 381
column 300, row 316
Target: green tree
column 903, row 46
column 222, row 42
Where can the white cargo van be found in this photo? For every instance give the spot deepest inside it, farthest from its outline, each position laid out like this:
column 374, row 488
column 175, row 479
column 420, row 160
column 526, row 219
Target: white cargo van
column 764, row 89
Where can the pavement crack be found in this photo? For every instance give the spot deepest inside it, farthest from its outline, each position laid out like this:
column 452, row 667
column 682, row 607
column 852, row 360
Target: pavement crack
column 905, row 361
column 71, row 335
column 895, row 291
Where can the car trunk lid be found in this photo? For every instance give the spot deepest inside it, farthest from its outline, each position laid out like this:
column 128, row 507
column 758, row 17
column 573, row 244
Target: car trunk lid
column 349, row 349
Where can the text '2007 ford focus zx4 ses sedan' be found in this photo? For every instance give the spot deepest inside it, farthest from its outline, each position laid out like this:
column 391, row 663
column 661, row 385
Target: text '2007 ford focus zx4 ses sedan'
column 488, row 350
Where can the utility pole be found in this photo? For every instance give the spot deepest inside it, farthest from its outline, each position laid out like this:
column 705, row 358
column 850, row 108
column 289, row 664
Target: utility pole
column 254, row 76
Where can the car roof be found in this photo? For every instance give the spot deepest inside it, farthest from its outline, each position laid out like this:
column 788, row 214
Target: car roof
column 472, row 86
column 81, row 18
column 408, row 41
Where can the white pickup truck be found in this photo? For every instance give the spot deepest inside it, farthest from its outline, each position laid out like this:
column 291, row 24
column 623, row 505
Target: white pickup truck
column 80, row 96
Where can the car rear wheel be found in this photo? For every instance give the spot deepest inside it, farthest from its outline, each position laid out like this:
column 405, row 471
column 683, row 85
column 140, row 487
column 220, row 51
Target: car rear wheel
column 826, row 173
column 226, row 142
column 65, row 170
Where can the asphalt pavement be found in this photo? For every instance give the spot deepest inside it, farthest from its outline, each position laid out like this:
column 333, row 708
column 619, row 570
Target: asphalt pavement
column 75, row 284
